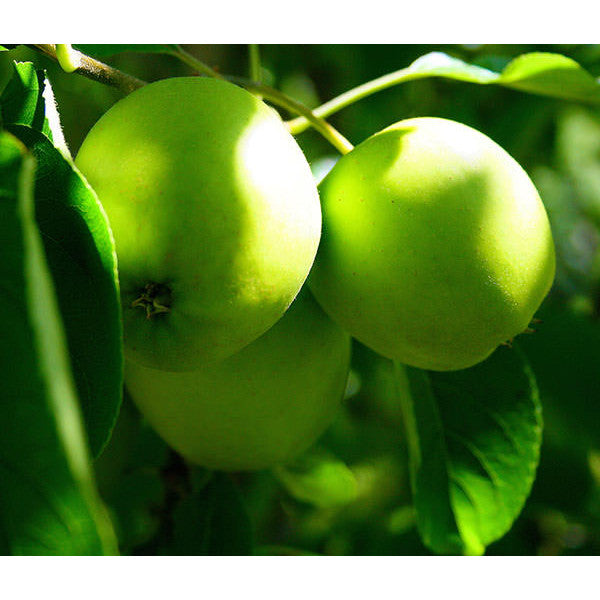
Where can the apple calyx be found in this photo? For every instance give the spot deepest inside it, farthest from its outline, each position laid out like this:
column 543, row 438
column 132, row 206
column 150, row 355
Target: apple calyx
column 155, row 298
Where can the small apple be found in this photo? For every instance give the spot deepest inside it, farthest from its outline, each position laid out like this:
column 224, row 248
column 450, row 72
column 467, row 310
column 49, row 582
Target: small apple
column 215, row 215
column 436, row 247
column 259, row 407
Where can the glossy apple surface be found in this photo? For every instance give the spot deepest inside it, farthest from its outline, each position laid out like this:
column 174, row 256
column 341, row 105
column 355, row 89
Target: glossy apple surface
column 215, row 215
column 259, row 407
column 436, row 247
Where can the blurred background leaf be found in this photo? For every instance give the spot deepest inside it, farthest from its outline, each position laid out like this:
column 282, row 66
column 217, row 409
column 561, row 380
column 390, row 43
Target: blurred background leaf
column 132, row 474
column 212, row 520
column 319, row 478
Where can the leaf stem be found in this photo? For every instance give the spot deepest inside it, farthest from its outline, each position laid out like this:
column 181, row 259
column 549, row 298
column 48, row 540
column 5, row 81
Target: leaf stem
column 255, row 66
column 332, row 135
column 94, row 69
column 98, row 71
column 300, row 124
column 191, row 61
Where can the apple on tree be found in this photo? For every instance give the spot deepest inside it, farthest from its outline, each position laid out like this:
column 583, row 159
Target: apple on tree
column 215, row 215
column 436, row 247
column 258, row 408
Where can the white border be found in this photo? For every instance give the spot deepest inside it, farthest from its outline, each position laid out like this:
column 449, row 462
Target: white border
column 304, row 21
column 301, row 578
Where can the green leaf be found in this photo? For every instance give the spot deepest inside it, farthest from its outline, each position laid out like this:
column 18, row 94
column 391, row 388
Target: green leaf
column 319, row 478
column 81, row 256
column 212, row 520
column 543, row 73
column 551, row 75
column 135, row 508
column 439, row 64
column 474, row 440
column 28, row 100
column 102, row 50
column 48, row 499
column 22, row 100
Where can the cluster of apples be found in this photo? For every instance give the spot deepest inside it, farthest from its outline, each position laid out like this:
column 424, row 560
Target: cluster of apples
column 428, row 243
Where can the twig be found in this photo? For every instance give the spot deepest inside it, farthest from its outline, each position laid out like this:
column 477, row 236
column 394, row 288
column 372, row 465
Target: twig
column 94, row 69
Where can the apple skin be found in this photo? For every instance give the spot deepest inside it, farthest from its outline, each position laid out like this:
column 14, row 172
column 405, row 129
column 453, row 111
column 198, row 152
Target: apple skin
column 436, row 247
column 213, row 205
column 259, row 407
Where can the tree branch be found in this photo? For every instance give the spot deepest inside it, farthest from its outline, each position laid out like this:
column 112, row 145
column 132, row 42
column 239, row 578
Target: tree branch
column 94, row 69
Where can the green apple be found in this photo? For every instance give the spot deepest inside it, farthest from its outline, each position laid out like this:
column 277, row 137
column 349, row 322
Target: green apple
column 436, row 247
column 259, row 407
column 215, row 215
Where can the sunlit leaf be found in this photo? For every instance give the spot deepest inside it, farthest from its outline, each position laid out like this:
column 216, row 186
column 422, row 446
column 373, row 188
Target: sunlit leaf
column 474, row 441
column 22, row 101
column 542, row 73
column 439, row 64
column 28, row 100
column 551, row 75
